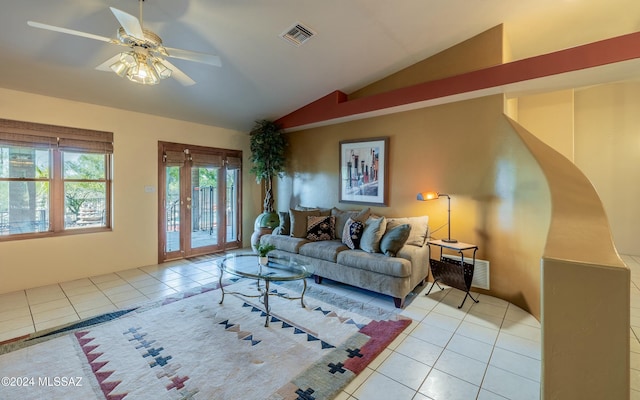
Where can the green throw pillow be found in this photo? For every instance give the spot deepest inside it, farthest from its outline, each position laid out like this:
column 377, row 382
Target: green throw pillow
column 394, row 239
column 373, row 230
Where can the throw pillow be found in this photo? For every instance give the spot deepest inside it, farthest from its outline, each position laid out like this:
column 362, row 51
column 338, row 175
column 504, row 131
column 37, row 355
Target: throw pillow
column 393, row 239
column 342, row 217
column 321, row 228
column 374, row 228
column 352, row 233
column 299, row 222
column 419, row 228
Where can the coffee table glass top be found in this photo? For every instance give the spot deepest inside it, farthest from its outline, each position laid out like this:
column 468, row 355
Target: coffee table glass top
column 277, row 269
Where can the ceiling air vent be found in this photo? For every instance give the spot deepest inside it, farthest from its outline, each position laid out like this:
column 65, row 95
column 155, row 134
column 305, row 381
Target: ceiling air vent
column 297, row 34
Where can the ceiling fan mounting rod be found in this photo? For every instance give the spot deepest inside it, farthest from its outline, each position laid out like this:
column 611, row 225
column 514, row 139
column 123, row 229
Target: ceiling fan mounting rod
column 140, row 2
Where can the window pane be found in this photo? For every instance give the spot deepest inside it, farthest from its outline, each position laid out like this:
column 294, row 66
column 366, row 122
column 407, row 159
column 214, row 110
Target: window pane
column 83, row 165
column 24, row 162
column 84, row 204
column 24, row 207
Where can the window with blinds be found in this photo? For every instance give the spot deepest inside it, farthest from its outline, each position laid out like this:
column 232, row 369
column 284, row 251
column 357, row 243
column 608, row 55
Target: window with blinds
column 53, row 180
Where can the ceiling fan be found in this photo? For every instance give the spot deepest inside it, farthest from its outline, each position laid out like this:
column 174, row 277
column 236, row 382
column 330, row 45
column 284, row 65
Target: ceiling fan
column 145, row 62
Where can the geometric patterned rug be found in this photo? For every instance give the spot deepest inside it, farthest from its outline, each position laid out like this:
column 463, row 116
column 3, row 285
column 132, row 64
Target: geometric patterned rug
column 190, row 347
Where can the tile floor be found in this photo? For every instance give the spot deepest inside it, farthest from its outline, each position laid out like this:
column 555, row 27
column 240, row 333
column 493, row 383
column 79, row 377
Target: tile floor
column 484, row 351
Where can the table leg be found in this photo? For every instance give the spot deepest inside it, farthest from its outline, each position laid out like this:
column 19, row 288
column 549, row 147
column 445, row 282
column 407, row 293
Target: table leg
column 304, row 289
column 221, row 288
column 266, row 302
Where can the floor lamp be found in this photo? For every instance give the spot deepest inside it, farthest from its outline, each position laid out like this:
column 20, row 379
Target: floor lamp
column 426, row 196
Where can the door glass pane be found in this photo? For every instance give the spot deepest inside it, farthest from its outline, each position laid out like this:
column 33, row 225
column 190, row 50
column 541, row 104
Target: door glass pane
column 172, row 207
column 204, row 206
column 233, row 223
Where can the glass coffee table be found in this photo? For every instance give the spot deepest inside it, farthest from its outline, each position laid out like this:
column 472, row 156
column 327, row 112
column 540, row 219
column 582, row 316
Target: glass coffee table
column 277, row 269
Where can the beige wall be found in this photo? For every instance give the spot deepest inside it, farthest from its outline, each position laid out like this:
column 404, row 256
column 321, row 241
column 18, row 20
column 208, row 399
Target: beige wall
column 608, row 151
column 597, row 129
column 550, row 117
column 133, row 241
column 499, row 196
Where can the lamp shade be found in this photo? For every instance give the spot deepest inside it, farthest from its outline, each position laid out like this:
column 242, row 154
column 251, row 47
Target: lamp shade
column 424, row 196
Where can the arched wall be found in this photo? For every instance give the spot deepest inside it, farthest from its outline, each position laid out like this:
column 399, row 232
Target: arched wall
column 584, row 288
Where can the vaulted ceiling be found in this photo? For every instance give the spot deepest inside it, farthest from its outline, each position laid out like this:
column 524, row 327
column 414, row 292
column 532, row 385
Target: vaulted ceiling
column 355, row 42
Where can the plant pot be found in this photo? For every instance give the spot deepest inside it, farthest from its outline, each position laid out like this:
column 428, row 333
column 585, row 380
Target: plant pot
column 263, row 260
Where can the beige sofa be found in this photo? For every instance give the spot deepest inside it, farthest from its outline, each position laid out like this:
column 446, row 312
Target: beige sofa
column 364, row 265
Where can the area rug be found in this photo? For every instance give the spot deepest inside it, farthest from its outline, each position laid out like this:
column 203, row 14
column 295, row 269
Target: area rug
column 191, row 347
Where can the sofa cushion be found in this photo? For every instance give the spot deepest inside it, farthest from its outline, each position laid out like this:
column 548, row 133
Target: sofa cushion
column 375, row 262
column 282, row 242
column 374, row 228
column 342, row 217
column 299, row 221
column 324, row 250
column 352, row 233
column 393, row 239
column 419, row 228
column 321, row 228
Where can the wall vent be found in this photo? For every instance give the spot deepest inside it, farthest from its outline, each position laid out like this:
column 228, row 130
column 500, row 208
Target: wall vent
column 297, row 34
column 480, row 272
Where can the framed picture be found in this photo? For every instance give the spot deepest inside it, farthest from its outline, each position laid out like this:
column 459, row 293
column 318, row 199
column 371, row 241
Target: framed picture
column 363, row 171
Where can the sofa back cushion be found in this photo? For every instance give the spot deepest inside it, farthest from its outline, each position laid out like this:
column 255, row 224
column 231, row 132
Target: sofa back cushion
column 342, row 217
column 419, row 228
column 299, row 221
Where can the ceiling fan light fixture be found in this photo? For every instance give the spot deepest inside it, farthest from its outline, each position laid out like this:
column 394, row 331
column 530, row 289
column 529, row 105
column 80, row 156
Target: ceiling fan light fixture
column 143, row 72
column 161, row 69
column 126, row 61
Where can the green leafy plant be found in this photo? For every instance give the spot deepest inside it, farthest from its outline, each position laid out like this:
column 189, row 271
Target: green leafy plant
column 268, row 145
column 263, row 249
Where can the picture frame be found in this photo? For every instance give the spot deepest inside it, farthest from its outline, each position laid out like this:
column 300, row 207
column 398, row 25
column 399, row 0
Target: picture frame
column 364, row 171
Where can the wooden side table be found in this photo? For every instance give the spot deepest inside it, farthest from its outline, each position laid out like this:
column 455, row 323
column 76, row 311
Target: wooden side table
column 457, row 274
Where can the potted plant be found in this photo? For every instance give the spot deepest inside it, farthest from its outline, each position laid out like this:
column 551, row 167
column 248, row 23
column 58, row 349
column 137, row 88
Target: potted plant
column 267, row 142
column 263, row 250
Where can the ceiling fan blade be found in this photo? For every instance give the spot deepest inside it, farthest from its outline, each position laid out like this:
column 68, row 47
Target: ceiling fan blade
column 178, row 74
column 129, row 23
column 70, row 32
column 106, row 66
column 194, row 56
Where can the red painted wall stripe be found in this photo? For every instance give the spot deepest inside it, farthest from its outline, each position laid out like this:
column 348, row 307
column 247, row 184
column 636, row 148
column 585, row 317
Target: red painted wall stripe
column 337, row 104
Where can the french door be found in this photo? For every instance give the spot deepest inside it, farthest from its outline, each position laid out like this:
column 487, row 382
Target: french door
column 199, row 200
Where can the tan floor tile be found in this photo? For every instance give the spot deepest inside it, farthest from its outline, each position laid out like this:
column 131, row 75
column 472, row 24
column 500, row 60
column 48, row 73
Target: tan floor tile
column 39, row 318
column 93, row 312
column 50, row 305
column 111, row 284
column 81, row 290
column 125, row 296
column 44, row 294
column 104, row 278
column 92, row 304
column 78, row 283
column 16, row 333
column 18, row 312
column 9, row 301
column 57, row 322
column 16, row 323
